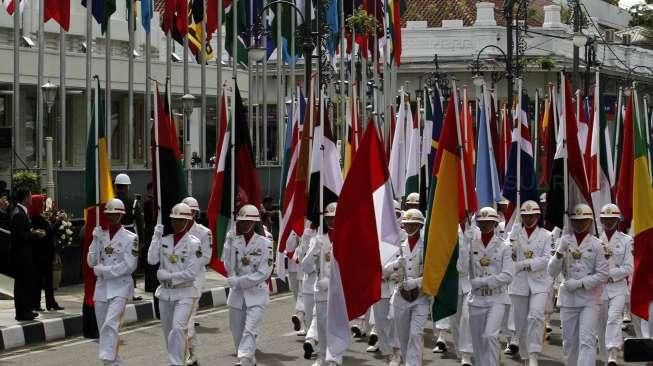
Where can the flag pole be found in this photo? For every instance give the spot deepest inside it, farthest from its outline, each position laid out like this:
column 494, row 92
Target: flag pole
column 107, row 96
column 461, row 149
column 321, row 142
column 218, row 59
column 563, row 88
column 16, row 91
column 39, row 82
column 280, row 92
column 130, row 85
column 159, row 218
column 89, row 52
column 62, row 93
column 536, row 135
column 148, row 100
column 488, row 109
column 203, row 152
column 519, row 111
column 597, row 125
column 618, row 126
column 96, row 111
column 648, row 136
column 341, row 70
column 293, row 87
column 232, row 135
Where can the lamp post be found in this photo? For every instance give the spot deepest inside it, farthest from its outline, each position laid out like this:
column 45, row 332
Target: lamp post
column 49, row 91
column 187, row 104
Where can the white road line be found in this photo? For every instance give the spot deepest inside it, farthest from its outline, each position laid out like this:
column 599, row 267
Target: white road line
column 153, row 324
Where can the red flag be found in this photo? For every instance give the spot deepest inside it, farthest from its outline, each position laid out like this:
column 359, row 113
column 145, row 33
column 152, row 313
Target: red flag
column 625, row 184
column 59, row 10
column 506, row 141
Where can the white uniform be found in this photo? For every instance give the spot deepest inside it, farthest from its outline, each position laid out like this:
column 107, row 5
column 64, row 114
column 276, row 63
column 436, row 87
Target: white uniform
column 530, row 287
column 620, row 261
column 584, row 271
column 202, row 233
column 410, row 317
column 182, row 262
column 113, row 261
column 460, row 330
column 490, row 269
column 309, row 276
column 249, row 266
column 383, row 325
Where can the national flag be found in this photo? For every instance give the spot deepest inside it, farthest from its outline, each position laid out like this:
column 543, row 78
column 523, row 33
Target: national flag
column 169, row 165
column 426, row 149
column 395, row 8
column 195, row 19
column 413, row 152
column 365, row 237
column 487, row 179
column 547, row 141
column 146, row 14
column 391, row 132
column 244, row 23
column 59, row 10
column 175, row 19
column 504, row 143
column 326, row 176
column 642, row 214
column 99, row 190
column 520, row 175
column 102, row 10
column 397, row 165
column 624, row 194
column 332, row 15
column 354, row 132
column 9, row 6
column 469, row 140
column 434, row 113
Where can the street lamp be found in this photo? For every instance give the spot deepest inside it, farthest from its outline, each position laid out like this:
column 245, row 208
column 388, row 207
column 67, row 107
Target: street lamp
column 187, row 104
column 579, row 39
column 49, row 90
column 256, row 51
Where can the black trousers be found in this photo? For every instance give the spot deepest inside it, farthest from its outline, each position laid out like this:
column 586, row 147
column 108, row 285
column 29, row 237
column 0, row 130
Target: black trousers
column 43, row 281
column 23, row 290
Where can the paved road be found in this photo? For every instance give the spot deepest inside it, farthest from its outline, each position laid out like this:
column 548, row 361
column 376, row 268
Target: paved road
column 277, row 345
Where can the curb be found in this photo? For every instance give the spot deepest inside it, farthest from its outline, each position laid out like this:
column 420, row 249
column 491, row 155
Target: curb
column 48, row 330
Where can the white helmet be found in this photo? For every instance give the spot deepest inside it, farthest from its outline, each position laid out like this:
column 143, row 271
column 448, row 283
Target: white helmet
column 487, row 214
column 582, row 211
column 331, row 210
column 503, row 201
column 610, row 211
column 412, row 216
column 543, row 197
column 192, row 203
column 114, row 206
column 530, row 208
column 412, row 199
column 181, row 211
column 248, row 213
column 122, row 179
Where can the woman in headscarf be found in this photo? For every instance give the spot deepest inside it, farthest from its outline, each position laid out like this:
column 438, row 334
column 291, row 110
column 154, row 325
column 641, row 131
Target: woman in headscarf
column 43, row 254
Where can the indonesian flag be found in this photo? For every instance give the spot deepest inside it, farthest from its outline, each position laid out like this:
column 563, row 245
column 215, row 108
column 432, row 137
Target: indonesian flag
column 9, row 6
column 365, row 237
column 59, row 10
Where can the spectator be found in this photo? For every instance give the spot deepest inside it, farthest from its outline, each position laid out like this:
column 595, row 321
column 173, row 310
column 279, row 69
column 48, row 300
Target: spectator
column 22, row 256
column 5, row 220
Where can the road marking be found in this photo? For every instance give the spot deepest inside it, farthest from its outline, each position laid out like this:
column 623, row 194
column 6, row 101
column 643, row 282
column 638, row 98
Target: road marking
column 132, row 329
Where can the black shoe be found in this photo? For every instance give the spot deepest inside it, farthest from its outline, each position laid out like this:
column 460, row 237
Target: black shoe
column 514, row 349
column 36, row 315
column 137, row 298
column 357, row 332
column 55, row 307
column 296, row 324
column 197, row 324
column 308, row 350
column 372, row 340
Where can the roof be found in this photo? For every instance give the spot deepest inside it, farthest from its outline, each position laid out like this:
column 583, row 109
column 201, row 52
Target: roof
column 434, row 11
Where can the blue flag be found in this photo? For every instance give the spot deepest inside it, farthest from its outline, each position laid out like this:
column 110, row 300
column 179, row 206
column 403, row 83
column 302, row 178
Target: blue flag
column 146, row 14
column 487, row 179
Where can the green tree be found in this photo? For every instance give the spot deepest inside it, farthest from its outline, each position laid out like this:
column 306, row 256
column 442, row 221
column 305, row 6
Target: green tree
column 642, row 15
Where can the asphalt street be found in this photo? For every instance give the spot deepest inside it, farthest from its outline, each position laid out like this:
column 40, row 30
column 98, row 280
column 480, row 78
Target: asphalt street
column 142, row 344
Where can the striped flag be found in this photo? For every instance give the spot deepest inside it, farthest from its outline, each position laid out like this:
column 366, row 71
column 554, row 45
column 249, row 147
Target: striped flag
column 487, row 179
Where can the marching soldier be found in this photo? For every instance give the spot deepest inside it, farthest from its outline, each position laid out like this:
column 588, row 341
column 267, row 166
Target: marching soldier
column 462, row 334
column 295, row 281
column 180, row 257
column 531, row 285
column 618, row 252
column 202, row 233
column 249, row 261
column 488, row 263
column 319, row 256
column 113, row 256
column 309, row 277
column 412, row 201
column 580, row 258
column 411, row 307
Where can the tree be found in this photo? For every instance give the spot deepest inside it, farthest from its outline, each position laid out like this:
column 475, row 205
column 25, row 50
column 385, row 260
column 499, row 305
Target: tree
column 642, row 15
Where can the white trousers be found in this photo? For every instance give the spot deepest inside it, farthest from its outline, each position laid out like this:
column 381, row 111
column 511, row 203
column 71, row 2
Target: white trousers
column 293, row 284
column 609, row 324
column 244, row 323
column 321, row 323
column 485, row 324
column 384, row 327
column 462, row 334
column 193, row 340
column 579, row 334
column 108, row 315
column 308, row 302
column 529, row 321
column 409, row 321
column 175, row 316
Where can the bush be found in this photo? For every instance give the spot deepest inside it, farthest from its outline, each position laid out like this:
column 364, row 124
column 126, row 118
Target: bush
column 27, row 179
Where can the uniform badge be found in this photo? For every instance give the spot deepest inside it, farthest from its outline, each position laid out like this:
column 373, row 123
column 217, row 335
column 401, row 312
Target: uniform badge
column 327, row 257
column 108, row 250
column 607, row 252
column 485, row 261
column 173, row 258
column 576, row 254
column 198, row 253
column 528, row 254
column 244, row 260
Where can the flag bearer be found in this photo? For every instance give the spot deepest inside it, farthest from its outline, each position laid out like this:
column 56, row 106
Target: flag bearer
column 410, row 306
column 580, row 258
column 202, row 233
column 531, row 285
column 618, row 252
column 179, row 256
column 462, row 334
column 309, row 278
column 319, row 256
column 488, row 263
column 249, row 261
column 113, row 255
column 295, row 281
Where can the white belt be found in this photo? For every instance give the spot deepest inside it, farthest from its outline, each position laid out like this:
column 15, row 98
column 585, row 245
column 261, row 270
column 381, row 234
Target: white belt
column 167, row 285
column 489, row 292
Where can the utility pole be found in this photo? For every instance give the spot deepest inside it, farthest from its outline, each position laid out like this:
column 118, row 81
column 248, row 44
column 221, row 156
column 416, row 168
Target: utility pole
column 508, row 14
column 577, row 28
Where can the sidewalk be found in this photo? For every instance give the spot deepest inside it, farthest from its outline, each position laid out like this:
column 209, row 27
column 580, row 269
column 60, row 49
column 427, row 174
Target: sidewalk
column 56, row 325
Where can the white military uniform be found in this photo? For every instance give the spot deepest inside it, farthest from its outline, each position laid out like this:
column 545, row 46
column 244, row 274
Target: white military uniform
column 249, row 265
column 202, row 233
column 295, row 278
column 490, row 269
column 460, row 330
column 177, row 296
column 410, row 317
column 113, row 260
column 618, row 251
column 584, row 270
column 530, row 287
column 383, row 325
column 309, row 277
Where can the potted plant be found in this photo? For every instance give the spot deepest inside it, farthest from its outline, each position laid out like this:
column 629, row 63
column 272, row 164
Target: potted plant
column 360, row 22
column 64, row 235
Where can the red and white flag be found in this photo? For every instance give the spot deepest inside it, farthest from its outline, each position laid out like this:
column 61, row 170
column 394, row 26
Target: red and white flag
column 10, row 4
column 600, row 156
column 366, row 236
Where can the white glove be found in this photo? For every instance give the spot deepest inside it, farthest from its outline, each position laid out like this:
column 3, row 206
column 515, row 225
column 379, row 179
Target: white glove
column 158, row 231
column 98, row 270
column 562, row 246
column 163, row 275
column 478, row 282
column 97, row 233
column 410, row 284
column 232, row 282
column 323, row 284
column 230, row 235
column 400, row 264
column 572, row 284
column 395, row 277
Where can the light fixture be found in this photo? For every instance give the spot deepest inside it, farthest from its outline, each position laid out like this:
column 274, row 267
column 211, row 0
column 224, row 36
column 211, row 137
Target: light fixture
column 83, row 47
column 257, row 53
column 579, row 39
column 187, row 104
column 27, row 42
column 136, row 54
column 49, row 90
column 175, row 57
column 478, row 80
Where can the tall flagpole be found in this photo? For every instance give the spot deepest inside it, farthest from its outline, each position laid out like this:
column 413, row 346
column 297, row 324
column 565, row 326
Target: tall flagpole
column 520, row 116
column 293, row 21
column 264, row 99
column 159, row 218
column 618, row 126
column 488, row 111
column 460, row 145
column 107, row 60
column 130, row 86
column 234, row 76
column 39, row 82
column 96, row 111
column 202, row 58
column 62, row 94
column 536, row 145
column 563, row 105
column 148, row 99
column 218, row 59
column 89, row 54
column 16, row 94
column 280, row 103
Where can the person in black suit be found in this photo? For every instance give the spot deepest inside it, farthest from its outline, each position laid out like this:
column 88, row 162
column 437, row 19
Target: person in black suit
column 22, row 256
